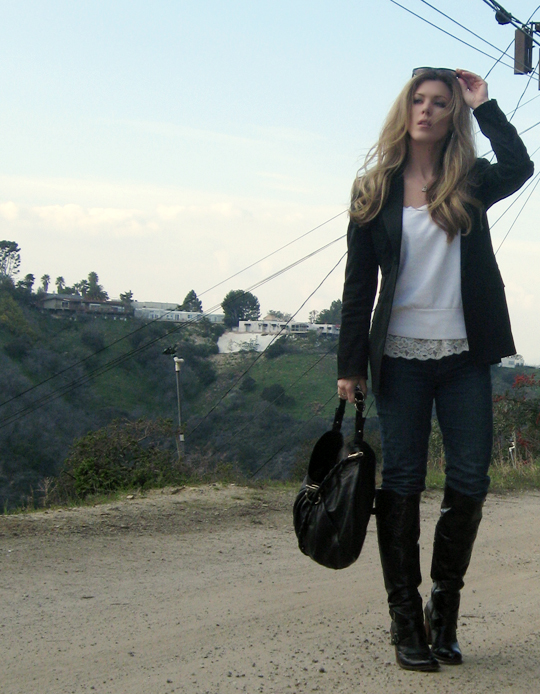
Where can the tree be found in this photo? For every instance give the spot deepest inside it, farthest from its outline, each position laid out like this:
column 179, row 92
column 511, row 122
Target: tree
column 94, row 290
column 79, row 288
column 10, row 258
column 26, row 284
column 60, row 284
column 279, row 315
column 240, row 305
column 331, row 315
column 126, row 298
column 191, row 303
column 313, row 315
column 45, row 281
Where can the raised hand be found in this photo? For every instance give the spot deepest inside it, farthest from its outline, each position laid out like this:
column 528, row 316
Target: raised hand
column 473, row 87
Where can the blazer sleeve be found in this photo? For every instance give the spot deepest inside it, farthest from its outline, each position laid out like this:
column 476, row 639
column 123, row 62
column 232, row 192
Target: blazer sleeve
column 495, row 182
column 359, row 291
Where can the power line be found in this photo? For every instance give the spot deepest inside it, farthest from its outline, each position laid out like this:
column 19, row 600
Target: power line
column 521, row 133
column 514, row 21
column 514, row 201
column 273, row 252
column 271, row 342
column 131, row 353
column 527, row 130
column 297, row 428
column 184, row 324
column 498, row 60
column 101, row 370
column 477, row 132
column 507, row 49
column 468, row 30
column 97, row 352
column 524, row 90
column 447, row 32
column 263, row 410
column 528, row 102
column 519, row 213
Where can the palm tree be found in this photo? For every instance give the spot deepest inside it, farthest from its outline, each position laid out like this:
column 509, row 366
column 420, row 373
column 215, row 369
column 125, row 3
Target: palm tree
column 45, row 281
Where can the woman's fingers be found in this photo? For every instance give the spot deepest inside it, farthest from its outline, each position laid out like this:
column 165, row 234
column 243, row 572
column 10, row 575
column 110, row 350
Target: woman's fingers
column 473, row 87
column 347, row 386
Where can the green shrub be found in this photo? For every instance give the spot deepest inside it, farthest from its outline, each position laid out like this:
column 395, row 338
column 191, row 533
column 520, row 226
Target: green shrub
column 18, row 348
column 277, row 348
column 248, row 384
column 122, row 455
column 93, row 339
column 276, row 394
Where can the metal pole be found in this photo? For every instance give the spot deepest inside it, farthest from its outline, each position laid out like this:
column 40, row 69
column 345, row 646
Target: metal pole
column 180, row 443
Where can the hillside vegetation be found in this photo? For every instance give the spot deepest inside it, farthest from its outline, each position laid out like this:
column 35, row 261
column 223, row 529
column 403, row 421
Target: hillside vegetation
column 61, row 378
column 90, row 405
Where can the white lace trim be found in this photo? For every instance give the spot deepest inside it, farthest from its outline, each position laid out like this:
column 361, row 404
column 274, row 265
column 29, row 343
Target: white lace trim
column 417, row 348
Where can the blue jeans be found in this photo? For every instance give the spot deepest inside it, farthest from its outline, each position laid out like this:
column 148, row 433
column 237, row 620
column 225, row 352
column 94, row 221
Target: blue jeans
column 461, row 391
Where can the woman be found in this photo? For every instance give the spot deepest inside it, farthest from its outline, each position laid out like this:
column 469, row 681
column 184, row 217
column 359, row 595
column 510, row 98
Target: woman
column 418, row 213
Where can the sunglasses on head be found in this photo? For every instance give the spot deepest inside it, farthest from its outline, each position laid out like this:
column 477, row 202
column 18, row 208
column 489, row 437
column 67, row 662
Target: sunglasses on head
column 446, row 70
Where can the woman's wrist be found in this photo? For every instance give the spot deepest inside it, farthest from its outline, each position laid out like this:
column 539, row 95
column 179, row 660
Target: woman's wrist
column 483, row 101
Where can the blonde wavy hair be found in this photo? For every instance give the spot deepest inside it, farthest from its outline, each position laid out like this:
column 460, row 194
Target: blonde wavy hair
column 449, row 192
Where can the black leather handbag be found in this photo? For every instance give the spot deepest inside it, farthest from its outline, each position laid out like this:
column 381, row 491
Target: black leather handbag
column 333, row 507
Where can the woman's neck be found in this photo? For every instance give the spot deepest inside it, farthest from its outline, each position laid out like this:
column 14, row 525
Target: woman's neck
column 420, row 171
column 423, row 160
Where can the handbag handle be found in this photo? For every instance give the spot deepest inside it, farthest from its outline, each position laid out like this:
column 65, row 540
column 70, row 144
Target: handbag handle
column 338, row 415
column 360, row 406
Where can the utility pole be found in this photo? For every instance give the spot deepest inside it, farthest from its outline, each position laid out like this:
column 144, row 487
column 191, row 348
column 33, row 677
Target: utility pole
column 180, row 442
column 524, row 39
column 523, row 49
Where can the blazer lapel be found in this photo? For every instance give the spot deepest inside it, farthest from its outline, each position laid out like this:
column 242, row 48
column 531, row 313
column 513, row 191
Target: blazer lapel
column 465, row 240
column 392, row 214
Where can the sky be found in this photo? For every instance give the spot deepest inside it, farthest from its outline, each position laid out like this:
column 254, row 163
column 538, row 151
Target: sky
column 169, row 145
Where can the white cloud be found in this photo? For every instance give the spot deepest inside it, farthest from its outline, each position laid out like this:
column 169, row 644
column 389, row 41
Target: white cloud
column 168, row 212
column 169, row 241
column 161, row 242
column 9, row 210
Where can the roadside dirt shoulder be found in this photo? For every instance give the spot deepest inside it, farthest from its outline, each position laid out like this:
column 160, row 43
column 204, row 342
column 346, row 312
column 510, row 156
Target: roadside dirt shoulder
column 204, row 591
column 171, row 510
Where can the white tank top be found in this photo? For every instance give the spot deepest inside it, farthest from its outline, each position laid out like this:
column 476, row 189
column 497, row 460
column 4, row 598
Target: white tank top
column 427, row 300
column 427, row 313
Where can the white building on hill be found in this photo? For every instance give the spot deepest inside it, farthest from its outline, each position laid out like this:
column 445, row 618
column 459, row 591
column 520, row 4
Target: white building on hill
column 512, row 362
column 256, row 335
column 156, row 310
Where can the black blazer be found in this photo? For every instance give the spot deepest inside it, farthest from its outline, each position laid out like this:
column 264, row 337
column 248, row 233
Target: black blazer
column 378, row 244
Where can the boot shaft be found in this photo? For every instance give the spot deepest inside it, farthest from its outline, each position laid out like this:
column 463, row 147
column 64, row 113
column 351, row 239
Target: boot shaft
column 398, row 533
column 455, row 534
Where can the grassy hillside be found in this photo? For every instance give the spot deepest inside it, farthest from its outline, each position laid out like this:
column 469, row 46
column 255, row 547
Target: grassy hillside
column 309, row 377
column 62, row 378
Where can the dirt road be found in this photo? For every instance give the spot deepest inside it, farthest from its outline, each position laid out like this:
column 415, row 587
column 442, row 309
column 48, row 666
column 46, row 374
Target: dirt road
column 205, row 592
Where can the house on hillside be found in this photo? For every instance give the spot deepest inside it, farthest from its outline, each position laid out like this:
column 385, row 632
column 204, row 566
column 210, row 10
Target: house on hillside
column 73, row 305
column 161, row 311
column 256, row 335
column 512, row 362
column 271, row 327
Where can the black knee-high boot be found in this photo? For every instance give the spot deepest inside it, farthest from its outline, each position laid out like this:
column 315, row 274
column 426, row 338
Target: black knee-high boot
column 398, row 532
column 454, row 538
